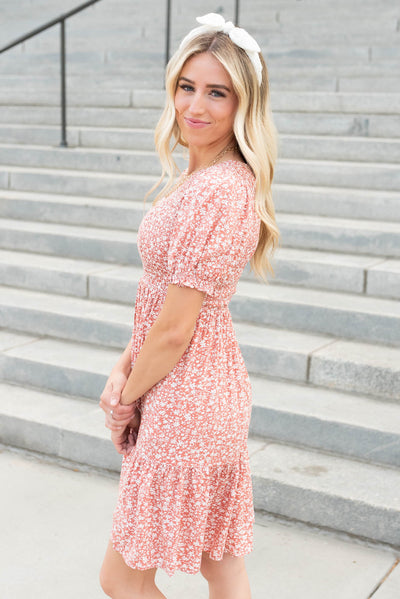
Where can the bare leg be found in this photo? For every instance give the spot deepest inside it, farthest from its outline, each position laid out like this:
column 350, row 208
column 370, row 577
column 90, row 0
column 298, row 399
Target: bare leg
column 119, row 581
column 227, row 579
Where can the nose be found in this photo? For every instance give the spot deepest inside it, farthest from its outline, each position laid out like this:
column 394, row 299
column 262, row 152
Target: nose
column 196, row 106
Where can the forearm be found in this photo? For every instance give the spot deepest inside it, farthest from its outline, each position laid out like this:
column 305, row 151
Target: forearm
column 159, row 354
column 124, row 362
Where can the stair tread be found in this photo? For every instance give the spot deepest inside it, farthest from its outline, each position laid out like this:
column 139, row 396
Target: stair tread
column 320, row 298
column 116, row 235
column 60, row 154
column 306, row 469
column 62, row 304
column 326, row 404
column 327, row 474
column 336, row 222
column 150, row 179
column 58, row 352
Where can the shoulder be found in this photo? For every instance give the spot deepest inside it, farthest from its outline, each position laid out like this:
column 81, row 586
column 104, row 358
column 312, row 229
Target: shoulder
column 227, row 181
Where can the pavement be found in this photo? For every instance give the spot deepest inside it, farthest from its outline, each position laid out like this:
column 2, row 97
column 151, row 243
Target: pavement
column 55, row 520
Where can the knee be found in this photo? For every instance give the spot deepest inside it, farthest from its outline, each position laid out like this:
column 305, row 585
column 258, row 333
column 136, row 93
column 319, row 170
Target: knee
column 207, row 567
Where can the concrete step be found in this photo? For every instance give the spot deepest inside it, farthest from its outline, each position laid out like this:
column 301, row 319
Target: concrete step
column 330, row 173
column 337, row 272
column 360, row 204
column 112, row 245
column 328, row 491
column 303, row 79
column 127, row 213
column 146, row 64
column 105, row 245
column 293, row 356
column 289, row 182
column 72, row 210
column 291, row 122
column 314, row 147
column 105, row 160
column 341, row 315
column 283, row 412
column 15, row 92
column 332, row 421
column 72, row 182
column 288, row 171
column 311, row 269
column 281, row 54
column 340, row 235
column 297, row 171
column 335, row 492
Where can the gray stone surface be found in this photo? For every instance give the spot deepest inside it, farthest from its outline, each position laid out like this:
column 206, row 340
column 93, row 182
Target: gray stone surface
column 384, row 279
column 337, row 202
column 277, row 352
column 353, row 426
column 338, row 174
column 73, row 210
column 73, row 242
column 108, row 185
column 42, row 501
column 358, row 367
column 60, row 366
column 317, row 488
column 338, row 314
column 339, row 234
column 391, row 586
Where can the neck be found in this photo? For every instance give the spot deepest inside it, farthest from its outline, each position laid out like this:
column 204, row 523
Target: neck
column 201, row 157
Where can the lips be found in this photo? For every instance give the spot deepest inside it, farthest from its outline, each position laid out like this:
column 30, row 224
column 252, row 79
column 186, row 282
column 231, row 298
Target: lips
column 195, row 123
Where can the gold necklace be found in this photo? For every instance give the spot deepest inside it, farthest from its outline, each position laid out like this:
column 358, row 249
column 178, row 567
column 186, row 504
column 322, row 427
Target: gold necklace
column 183, row 178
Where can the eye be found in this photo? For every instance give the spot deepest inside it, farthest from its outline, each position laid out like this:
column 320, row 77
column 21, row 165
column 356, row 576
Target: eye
column 186, row 87
column 217, row 94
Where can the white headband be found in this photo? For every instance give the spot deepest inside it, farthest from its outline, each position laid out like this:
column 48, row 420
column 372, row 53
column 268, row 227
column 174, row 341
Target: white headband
column 239, row 36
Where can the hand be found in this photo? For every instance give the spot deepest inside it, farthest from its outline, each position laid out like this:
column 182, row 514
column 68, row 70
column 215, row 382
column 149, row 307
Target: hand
column 109, row 401
column 125, row 440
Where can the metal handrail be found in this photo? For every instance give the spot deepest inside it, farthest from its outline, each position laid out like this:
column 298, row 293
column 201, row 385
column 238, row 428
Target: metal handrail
column 61, row 19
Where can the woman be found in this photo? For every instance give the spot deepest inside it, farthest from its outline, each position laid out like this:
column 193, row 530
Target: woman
column 178, row 401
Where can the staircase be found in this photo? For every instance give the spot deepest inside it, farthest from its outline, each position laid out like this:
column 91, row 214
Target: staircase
column 322, row 341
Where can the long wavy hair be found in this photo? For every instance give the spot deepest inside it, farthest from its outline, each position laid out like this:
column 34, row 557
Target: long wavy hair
column 254, row 131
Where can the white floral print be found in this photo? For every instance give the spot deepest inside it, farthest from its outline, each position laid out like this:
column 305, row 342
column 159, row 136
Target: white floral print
column 186, row 486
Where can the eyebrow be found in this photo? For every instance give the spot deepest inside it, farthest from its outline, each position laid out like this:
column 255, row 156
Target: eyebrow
column 213, row 85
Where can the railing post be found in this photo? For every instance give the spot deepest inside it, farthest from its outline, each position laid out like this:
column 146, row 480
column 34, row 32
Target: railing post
column 237, row 13
column 168, row 32
column 63, row 86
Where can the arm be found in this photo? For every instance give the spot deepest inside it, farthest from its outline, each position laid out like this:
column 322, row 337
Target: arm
column 111, row 394
column 165, row 342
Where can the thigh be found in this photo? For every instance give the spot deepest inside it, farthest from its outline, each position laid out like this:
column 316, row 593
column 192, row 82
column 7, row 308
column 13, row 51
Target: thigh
column 117, row 577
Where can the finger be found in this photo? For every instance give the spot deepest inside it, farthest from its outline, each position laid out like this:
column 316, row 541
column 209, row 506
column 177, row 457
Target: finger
column 114, row 427
column 106, row 391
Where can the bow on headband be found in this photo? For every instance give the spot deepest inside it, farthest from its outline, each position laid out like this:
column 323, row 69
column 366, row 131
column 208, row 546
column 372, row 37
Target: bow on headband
column 239, row 36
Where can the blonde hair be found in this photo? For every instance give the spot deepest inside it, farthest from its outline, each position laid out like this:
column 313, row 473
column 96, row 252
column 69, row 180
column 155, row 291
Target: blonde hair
column 254, row 130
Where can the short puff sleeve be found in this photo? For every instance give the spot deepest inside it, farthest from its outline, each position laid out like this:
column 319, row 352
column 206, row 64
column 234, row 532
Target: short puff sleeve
column 207, row 243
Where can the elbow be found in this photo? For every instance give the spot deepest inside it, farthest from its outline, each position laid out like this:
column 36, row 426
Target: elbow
column 179, row 337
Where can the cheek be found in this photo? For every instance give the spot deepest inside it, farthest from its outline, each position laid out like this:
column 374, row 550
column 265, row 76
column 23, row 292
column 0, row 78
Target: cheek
column 178, row 103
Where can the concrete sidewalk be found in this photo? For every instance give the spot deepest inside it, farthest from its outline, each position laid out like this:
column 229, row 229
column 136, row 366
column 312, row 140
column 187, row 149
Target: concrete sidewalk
column 55, row 523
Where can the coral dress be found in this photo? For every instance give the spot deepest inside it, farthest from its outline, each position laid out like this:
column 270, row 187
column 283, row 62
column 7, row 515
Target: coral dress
column 186, row 486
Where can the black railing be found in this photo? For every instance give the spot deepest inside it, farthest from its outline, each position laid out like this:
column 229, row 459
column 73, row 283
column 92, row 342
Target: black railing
column 61, row 19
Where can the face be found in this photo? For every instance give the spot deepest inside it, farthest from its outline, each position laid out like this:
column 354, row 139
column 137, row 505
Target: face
column 205, row 103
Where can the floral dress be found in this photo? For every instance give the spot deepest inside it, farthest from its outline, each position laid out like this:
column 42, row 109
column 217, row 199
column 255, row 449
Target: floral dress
column 186, row 486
